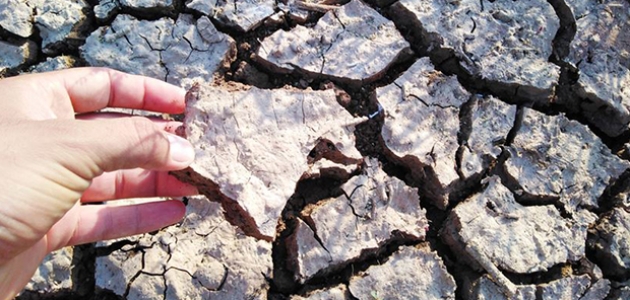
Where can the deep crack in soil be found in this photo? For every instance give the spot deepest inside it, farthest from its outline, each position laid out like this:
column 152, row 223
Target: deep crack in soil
column 361, row 101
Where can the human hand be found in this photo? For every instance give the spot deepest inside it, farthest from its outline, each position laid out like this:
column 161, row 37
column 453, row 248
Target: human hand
column 56, row 153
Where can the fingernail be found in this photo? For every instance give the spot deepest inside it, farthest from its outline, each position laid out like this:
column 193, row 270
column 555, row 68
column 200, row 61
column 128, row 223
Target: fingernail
column 181, row 150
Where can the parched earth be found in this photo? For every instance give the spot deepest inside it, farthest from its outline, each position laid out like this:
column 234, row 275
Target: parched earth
column 435, row 149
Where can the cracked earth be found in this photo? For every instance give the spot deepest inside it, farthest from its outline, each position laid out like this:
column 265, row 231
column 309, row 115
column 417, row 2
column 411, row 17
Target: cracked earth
column 381, row 149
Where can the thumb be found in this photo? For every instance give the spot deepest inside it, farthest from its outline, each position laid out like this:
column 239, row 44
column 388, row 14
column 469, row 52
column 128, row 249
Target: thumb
column 92, row 147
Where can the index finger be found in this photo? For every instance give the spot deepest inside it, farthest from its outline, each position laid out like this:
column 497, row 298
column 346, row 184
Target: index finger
column 91, row 89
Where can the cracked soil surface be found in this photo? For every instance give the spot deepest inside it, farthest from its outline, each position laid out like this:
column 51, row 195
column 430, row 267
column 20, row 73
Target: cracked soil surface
column 377, row 149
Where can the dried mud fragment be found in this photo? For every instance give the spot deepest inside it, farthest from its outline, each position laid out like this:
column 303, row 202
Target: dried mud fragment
column 292, row 9
column 597, row 290
column 505, row 44
column 568, row 288
column 54, row 273
column 410, row 273
column 495, row 225
column 148, row 4
column 54, row 63
column 16, row 17
column 63, row 25
column 205, row 7
column 326, row 160
column 204, row 257
column 106, row 10
column 252, row 146
column 557, row 160
column 14, row 56
column 422, row 120
column 339, row 292
column 610, row 242
column 115, row 271
column 179, row 51
column 490, row 122
column 238, row 14
column 601, row 53
column 375, row 210
column 485, row 288
column 352, row 43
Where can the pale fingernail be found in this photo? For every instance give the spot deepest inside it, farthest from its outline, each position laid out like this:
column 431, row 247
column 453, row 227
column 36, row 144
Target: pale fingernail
column 181, row 150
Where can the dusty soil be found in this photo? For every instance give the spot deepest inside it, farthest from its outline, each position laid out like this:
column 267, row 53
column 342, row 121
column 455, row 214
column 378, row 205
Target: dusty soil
column 559, row 160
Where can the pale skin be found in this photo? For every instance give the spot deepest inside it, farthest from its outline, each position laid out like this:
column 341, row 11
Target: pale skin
column 57, row 153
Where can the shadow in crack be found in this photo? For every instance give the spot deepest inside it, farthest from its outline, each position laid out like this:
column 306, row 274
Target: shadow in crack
column 308, row 191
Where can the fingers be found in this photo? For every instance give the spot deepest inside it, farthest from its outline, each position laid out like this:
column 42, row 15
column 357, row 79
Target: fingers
column 90, row 223
column 90, row 89
column 166, row 125
column 88, row 148
column 135, row 183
